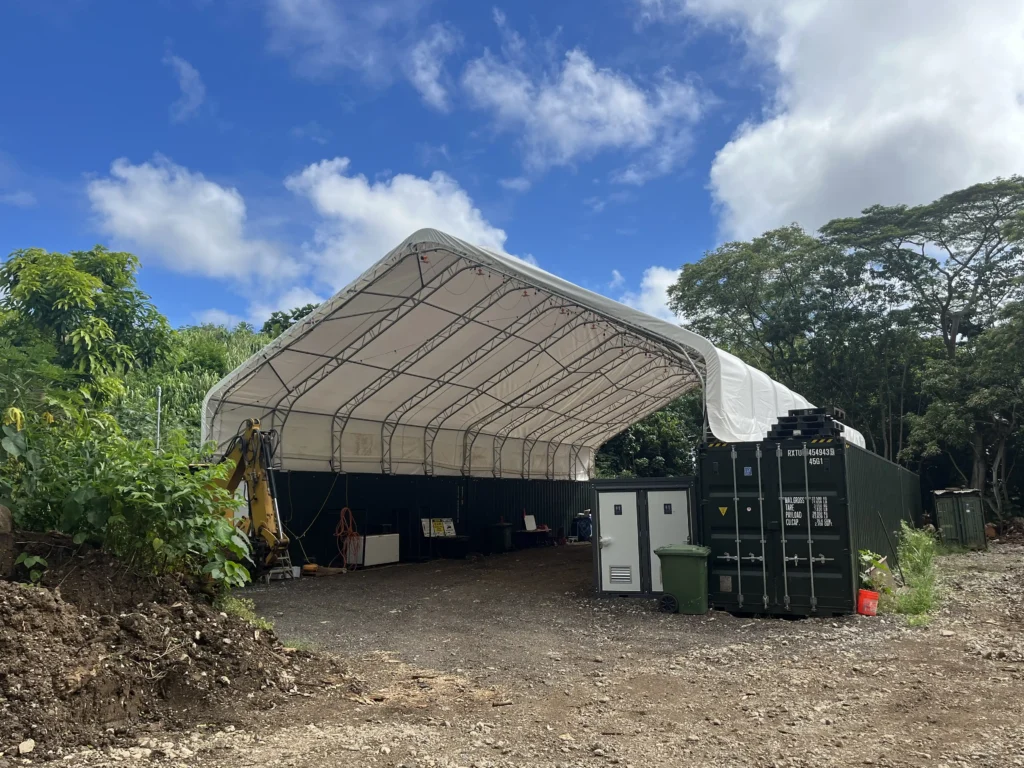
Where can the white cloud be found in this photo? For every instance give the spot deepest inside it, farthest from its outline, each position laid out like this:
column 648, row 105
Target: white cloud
column 652, row 297
column 596, row 203
column 19, row 198
column 874, row 102
column 217, row 317
column 312, row 131
column 190, row 224
column 322, row 36
column 363, row 220
column 516, row 184
column 193, row 92
column 425, row 65
column 293, row 298
column 575, row 109
column 617, row 280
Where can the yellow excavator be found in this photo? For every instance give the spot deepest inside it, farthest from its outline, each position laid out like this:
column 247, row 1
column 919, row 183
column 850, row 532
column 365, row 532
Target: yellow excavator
column 252, row 451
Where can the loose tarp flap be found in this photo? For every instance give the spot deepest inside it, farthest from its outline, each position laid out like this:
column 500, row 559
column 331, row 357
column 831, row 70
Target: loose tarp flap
column 444, row 358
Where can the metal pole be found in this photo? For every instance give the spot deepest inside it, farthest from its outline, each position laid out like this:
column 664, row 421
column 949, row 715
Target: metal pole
column 810, row 541
column 782, row 519
column 736, row 511
column 760, row 510
column 159, row 392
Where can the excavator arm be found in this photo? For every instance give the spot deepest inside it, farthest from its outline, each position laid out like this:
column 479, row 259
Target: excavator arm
column 252, row 451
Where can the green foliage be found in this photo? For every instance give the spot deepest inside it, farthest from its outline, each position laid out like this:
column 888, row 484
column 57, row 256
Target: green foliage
column 81, row 476
column 245, row 609
column 918, row 595
column 34, row 565
column 279, row 322
column 950, row 259
column 86, row 307
column 198, row 357
column 976, row 408
column 660, row 445
column 800, row 309
column 874, row 572
column 908, row 317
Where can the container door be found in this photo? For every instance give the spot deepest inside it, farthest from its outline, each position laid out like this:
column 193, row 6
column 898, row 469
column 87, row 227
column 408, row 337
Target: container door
column 668, row 522
column 817, row 563
column 946, row 519
column 620, row 541
column 737, row 527
column 974, row 522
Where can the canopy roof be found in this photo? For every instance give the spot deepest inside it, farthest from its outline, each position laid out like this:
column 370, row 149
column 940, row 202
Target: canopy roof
column 444, row 358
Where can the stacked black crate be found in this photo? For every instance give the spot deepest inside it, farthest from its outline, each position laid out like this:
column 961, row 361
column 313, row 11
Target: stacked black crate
column 804, row 423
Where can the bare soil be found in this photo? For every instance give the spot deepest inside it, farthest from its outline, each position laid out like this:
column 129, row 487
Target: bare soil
column 98, row 654
column 510, row 661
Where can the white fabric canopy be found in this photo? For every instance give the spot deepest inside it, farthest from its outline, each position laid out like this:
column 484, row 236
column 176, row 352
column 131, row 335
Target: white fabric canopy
column 447, row 359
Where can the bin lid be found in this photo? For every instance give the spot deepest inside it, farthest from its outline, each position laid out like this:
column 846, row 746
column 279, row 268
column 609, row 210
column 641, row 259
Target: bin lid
column 682, row 550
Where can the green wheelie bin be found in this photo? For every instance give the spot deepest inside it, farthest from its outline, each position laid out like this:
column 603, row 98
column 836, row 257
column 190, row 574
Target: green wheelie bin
column 684, row 578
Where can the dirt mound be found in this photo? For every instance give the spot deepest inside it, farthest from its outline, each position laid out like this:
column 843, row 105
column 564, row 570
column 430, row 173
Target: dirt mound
column 97, row 653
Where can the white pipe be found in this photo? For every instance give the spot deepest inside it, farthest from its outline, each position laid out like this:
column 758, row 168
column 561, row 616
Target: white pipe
column 158, row 393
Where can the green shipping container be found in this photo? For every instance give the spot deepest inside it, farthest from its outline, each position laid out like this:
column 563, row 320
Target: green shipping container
column 785, row 520
column 960, row 517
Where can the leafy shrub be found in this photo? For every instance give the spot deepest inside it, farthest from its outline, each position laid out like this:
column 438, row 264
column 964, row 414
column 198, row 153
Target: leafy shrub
column 918, row 595
column 83, row 477
column 34, row 565
column 874, row 572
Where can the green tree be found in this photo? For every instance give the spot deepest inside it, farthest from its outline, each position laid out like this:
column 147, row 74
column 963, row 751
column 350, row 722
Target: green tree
column 661, row 445
column 87, row 307
column 279, row 322
column 956, row 261
column 977, row 408
column 801, row 310
column 198, row 357
column 956, row 265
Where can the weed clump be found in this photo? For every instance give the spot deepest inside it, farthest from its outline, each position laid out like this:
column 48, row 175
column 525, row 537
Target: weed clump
column 244, row 609
column 918, row 594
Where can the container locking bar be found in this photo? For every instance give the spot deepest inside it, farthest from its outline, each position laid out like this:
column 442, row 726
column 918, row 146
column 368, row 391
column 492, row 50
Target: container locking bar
column 760, row 513
column 736, row 512
column 810, row 540
column 782, row 520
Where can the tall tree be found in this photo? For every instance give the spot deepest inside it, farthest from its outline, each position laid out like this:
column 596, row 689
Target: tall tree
column 279, row 322
column 956, row 261
column 956, row 264
column 977, row 405
column 87, row 307
column 198, row 357
column 800, row 309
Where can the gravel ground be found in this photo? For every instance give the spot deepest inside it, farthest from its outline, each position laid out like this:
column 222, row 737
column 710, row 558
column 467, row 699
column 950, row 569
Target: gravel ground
column 509, row 661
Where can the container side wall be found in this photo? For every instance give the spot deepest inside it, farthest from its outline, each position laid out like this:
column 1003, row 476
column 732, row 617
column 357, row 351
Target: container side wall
column 881, row 494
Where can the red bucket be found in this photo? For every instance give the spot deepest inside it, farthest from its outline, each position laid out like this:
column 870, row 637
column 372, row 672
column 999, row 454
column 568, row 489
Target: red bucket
column 867, row 603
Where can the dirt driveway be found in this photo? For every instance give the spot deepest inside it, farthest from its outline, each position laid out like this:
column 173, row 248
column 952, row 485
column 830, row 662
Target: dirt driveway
column 509, row 661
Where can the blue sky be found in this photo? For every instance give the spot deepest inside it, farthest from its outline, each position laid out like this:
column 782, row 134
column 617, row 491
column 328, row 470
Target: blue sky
column 258, row 154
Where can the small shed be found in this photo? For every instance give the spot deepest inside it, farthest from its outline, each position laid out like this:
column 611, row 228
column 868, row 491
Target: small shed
column 961, row 518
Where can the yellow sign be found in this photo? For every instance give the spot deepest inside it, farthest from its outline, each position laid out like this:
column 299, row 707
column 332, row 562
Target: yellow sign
column 437, row 526
column 723, row 510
